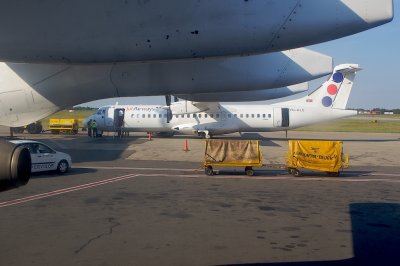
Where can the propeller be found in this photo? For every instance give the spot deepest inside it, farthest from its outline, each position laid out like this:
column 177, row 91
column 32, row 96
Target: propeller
column 168, row 102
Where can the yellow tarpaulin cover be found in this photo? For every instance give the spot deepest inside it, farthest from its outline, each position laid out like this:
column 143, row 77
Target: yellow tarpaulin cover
column 232, row 152
column 316, row 155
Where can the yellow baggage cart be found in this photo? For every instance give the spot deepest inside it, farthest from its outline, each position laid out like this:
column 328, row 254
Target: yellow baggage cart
column 237, row 153
column 319, row 155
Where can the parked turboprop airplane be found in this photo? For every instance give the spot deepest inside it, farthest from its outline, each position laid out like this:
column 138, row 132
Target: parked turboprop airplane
column 206, row 119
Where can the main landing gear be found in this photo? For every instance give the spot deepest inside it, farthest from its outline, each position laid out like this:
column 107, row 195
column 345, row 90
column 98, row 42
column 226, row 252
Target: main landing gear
column 204, row 134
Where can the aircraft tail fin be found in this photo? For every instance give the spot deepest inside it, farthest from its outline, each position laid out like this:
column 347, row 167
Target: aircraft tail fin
column 335, row 92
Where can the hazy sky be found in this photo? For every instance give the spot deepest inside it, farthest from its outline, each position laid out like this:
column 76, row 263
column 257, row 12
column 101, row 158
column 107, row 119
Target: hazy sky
column 377, row 51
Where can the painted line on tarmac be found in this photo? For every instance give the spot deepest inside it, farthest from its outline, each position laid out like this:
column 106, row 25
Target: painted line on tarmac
column 283, row 177
column 66, row 190
column 125, row 177
column 140, row 168
column 382, row 174
column 246, row 177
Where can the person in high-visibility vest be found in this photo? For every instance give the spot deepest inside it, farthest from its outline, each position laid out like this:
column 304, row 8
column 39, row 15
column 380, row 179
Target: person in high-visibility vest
column 94, row 128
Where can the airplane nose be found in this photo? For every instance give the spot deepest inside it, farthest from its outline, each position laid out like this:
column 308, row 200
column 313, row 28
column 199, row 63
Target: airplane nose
column 85, row 122
column 374, row 12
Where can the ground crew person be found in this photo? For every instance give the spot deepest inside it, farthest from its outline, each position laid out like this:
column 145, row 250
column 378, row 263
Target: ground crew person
column 89, row 128
column 94, row 128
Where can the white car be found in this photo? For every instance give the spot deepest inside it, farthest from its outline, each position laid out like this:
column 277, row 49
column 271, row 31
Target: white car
column 45, row 158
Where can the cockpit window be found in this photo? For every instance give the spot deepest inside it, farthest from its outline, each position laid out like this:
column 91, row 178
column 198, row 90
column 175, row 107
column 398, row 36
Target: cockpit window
column 101, row 112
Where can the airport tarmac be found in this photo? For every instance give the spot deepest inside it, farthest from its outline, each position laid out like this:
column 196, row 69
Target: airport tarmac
column 133, row 201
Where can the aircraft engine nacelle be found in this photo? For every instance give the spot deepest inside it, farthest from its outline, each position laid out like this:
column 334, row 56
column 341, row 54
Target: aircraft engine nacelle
column 186, row 107
column 15, row 165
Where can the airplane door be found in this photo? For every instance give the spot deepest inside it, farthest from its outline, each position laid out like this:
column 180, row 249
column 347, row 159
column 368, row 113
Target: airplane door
column 285, row 117
column 281, row 117
column 109, row 117
column 119, row 117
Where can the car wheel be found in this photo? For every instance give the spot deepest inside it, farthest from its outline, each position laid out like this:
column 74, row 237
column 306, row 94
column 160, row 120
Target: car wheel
column 62, row 167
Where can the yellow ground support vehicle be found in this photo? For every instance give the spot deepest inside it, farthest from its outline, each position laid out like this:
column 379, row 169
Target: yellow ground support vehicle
column 63, row 125
column 320, row 155
column 245, row 153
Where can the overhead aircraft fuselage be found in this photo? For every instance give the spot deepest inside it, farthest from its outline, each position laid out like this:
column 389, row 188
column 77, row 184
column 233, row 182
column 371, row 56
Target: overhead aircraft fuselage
column 101, row 31
column 29, row 92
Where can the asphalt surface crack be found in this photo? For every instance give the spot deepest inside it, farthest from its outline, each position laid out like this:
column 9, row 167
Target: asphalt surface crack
column 113, row 224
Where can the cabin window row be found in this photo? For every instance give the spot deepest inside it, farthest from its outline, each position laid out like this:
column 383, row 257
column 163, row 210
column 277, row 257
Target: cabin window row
column 224, row 115
column 148, row 116
column 204, row 115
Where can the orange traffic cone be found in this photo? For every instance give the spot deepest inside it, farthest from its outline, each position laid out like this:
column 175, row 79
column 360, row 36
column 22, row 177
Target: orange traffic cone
column 186, row 147
column 149, row 135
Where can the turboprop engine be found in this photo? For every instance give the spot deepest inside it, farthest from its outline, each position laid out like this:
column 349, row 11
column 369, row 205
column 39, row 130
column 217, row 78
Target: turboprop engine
column 187, row 107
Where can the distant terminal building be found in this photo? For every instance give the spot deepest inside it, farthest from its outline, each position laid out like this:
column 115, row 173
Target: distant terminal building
column 375, row 112
column 368, row 112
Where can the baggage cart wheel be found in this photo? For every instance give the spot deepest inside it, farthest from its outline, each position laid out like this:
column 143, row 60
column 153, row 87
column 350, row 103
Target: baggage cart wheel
column 249, row 171
column 209, row 170
column 290, row 171
column 295, row 172
column 333, row 174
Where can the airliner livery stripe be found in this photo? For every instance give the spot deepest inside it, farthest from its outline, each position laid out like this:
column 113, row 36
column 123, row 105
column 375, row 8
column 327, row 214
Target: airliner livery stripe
column 65, row 190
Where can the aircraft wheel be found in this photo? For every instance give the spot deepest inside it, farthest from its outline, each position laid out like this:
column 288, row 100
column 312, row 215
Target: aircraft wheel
column 209, row 171
column 249, row 171
column 34, row 128
column 18, row 129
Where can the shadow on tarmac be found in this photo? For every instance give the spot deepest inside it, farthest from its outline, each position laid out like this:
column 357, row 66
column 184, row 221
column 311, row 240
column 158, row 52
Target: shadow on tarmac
column 71, row 172
column 375, row 233
column 345, row 140
column 273, row 172
column 111, row 148
column 268, row 141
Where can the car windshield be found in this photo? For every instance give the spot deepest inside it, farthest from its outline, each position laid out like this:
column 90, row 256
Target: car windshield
column 45, row 149
column 35, row 148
